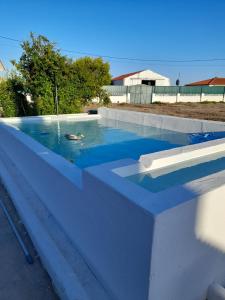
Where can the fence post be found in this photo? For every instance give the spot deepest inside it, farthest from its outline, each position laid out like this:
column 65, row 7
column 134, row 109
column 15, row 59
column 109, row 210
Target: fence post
column 224, row 95
column 178, row 94
column 152, row 91
column 201, row 95
column 127, row 94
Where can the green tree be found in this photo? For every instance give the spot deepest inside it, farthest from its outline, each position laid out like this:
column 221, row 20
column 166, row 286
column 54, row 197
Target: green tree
column 44, row 71
column 17, row 89
column 7, row 101
column 13, row 100
column 43, row 68
column 90, row 74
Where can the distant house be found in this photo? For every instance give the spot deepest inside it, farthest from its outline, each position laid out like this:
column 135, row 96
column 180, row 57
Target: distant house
column 147, row 77
column 216, row 81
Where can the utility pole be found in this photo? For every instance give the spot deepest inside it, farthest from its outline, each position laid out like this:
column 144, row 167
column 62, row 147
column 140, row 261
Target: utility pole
column 56, row 99
column 178, row 87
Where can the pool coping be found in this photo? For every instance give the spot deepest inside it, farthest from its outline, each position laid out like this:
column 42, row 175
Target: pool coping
column 46, row 118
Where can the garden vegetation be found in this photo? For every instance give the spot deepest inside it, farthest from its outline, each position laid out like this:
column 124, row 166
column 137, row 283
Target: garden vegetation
column 43, row 76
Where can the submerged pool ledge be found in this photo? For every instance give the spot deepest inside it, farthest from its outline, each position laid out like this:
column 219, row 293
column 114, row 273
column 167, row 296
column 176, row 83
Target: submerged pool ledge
column 167, row 158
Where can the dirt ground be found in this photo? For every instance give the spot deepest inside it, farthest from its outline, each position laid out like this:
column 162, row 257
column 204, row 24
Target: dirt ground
column 207, row 111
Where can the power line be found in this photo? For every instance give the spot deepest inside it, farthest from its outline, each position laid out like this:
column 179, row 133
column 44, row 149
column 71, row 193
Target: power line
column 145, row 60
column 10, row 39
column 127, row 58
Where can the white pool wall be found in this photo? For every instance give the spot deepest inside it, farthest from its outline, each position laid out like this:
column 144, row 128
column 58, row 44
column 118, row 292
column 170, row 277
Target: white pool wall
column 188, row 247
column 86, row 211
column 178, row 124
column 187, row 257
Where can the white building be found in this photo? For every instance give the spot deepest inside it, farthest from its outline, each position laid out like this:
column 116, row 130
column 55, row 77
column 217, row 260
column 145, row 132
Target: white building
column 147, row 77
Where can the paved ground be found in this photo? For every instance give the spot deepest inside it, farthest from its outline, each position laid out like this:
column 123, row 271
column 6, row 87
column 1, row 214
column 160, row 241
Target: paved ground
column 19, row 280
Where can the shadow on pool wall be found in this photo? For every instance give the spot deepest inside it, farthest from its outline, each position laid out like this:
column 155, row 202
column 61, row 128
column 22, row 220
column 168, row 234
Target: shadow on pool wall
column 139, row 245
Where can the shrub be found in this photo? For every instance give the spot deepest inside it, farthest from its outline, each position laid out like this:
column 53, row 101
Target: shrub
column 7, row 100
column 104, row 97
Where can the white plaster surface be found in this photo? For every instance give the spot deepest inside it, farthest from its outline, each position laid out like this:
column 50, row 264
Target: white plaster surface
column 85, row 211
column 183, row 154
column 185, row 259
column 162, row 121
column 35, row 179
column 181, row 263
column 49, row 118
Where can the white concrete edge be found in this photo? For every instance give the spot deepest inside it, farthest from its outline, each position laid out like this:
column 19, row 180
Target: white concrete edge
column 47, row 118
column 58, row 162
column 167, row 158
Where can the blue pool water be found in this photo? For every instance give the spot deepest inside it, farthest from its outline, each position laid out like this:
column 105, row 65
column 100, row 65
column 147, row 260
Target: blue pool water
column 105, row 140
column 179, row 174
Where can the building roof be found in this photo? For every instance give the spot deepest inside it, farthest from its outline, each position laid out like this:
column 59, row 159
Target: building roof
column 123, row 76
column 211, row 81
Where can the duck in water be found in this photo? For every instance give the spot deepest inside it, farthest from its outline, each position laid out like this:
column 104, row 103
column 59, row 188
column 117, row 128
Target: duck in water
column 74, row 137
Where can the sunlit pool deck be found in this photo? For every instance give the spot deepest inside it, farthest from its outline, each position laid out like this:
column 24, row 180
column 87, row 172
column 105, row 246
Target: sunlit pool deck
column 135, row 210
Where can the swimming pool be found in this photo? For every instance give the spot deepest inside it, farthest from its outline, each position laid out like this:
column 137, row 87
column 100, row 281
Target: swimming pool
column 120, row 228
column 104, row 139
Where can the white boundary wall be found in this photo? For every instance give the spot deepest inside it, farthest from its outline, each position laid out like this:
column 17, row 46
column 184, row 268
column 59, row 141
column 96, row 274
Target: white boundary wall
column 166, row 98
column 134, row 244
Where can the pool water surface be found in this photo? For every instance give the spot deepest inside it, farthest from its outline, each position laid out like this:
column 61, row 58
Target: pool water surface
column 104, row 140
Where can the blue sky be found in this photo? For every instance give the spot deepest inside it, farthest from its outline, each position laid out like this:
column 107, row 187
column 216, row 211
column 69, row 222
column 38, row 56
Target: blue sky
column 172, row 30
